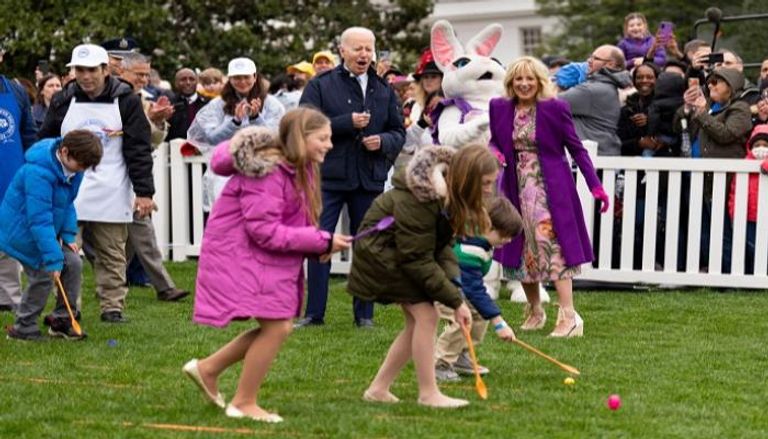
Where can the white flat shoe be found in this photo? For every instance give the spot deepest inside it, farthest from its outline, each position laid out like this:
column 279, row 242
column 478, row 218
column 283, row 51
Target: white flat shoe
column 194, row 374
column 388, row 399
column 451, row 403
column 270, row 418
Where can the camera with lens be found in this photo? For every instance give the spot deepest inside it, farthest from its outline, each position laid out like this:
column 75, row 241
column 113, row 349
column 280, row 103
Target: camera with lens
column 712, row 59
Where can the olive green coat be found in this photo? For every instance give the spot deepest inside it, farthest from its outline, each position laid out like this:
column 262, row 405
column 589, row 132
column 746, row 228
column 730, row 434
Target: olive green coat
column 723, row 134
column 413, row 260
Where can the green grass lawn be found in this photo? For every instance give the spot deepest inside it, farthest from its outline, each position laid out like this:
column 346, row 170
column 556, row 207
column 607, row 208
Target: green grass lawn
column 686, row 364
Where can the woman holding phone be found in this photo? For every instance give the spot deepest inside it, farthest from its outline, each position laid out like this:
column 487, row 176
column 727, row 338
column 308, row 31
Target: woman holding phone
column 719, row 127
column 244, row 101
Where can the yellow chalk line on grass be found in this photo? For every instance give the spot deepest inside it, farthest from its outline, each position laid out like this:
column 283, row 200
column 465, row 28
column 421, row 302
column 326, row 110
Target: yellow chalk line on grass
column 200, row 428
column 69, row 383
column 193, row 428
column 85, row 366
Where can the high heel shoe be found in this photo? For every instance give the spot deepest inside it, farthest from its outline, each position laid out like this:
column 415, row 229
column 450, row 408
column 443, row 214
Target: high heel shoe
column 194, row 374
column 532, row 320
column 269, row 418
column 576, row 329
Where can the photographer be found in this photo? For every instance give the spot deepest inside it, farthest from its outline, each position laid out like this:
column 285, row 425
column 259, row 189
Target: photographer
column 720, row 123
column 719, row 126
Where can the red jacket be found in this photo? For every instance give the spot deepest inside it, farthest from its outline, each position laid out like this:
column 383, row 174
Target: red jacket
column 753, row 180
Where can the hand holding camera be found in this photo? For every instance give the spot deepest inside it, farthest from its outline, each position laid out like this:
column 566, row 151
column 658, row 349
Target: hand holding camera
column 694, row 97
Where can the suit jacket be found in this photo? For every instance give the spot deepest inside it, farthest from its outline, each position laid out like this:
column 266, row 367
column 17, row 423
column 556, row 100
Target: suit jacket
column 554, row 133
column 349, row 165
column 183, row 115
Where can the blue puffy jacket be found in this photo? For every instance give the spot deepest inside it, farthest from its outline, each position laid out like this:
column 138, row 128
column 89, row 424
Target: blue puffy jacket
column 38, row 209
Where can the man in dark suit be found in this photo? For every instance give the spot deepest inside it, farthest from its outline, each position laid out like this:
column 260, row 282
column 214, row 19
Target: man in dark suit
column 368, row 135
column 186, row 104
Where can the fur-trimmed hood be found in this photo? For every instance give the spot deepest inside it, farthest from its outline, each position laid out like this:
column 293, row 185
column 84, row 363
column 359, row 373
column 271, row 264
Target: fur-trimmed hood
column 425, row 173
column 255, row 152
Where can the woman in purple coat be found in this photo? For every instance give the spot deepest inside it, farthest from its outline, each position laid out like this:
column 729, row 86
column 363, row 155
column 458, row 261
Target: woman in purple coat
column 532, row 130
column 251, row 264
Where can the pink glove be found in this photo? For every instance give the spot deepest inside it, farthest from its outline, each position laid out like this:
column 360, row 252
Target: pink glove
column 602, row 197
column 764, row 167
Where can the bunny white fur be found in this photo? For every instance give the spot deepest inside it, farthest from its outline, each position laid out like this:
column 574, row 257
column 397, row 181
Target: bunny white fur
column 477, row 79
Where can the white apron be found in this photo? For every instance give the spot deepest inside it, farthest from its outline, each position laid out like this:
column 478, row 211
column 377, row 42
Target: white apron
column 106, row 195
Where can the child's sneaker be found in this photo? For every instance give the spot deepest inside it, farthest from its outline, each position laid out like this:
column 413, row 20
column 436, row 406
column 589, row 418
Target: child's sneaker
column 13, row 334
column 62, row 328
column 463, row 365
column 444, row 372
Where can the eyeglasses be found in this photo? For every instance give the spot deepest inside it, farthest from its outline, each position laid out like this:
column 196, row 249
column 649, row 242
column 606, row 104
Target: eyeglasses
column 597, row 58
column 140, row 74
column 714, row 81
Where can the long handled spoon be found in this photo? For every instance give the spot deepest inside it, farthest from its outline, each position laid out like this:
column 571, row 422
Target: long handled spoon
column 75, row 324
column 479, row 384
column 383, row 224
column 529, row 348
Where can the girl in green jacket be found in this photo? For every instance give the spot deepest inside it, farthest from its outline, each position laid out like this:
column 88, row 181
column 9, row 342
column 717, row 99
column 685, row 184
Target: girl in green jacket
column 413, row 264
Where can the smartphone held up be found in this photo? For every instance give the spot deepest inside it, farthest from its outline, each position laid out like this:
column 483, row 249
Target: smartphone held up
column 665, row 31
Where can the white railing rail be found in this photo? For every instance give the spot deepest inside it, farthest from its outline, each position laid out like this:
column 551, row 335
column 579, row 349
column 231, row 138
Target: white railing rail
column 180, row 217
column 676, row 170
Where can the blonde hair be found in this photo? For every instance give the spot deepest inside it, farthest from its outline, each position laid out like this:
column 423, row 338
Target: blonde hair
column 632, row 16
column 528, row 65
column 211, row 75
column 466, row 210
column 295, row 126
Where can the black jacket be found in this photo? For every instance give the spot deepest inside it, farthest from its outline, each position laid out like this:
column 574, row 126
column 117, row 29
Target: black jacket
column 667, row 98
column 183, row 115
column 137, row 150
column 349, row 165
column 628, row 132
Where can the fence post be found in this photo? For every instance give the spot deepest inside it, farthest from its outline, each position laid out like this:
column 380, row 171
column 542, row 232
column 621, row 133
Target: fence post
column 179, row 202
column 161, row 218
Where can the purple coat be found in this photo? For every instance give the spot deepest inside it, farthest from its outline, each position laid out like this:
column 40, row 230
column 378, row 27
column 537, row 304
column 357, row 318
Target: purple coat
column 554, row 133
column 633, row 48
column 255, row 242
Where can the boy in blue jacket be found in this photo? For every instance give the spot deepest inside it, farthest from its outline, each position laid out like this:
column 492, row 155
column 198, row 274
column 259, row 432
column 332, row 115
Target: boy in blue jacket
column 475, row 254
column 38, row 227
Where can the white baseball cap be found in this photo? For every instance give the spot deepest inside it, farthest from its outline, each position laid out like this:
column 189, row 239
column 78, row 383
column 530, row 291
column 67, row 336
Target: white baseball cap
column 88, row 55
column 241, row 66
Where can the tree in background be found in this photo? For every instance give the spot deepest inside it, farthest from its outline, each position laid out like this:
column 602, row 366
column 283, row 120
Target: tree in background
column 586, row 24
column 203, row 33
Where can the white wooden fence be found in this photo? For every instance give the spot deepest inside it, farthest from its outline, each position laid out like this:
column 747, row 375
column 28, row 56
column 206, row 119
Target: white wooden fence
column 179, row 221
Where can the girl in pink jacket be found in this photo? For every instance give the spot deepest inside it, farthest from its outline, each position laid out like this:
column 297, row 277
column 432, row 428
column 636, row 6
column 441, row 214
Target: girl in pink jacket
column 251, row 262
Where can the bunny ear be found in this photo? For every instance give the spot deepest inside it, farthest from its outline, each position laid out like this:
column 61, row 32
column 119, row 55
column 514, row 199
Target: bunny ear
column 484, row 42
column 445, row 46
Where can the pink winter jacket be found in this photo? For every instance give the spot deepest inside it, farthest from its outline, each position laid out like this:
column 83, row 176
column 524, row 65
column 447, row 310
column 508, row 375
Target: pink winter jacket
column 255, row 242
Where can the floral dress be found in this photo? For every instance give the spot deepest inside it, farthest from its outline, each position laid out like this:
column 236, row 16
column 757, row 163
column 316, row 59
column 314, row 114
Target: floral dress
column 542, row 257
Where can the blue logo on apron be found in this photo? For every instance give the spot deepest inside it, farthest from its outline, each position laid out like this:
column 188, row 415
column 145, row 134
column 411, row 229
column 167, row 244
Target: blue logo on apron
column 7, row 125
